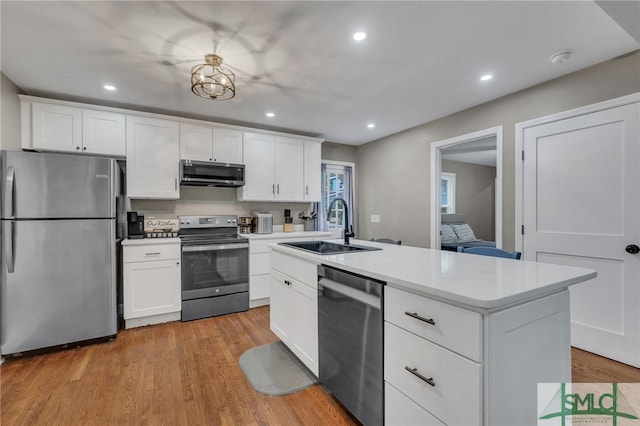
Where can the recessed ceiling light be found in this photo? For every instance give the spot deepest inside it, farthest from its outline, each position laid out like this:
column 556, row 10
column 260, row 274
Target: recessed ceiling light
column 109, row 87
column 270, row 114
column 560, row 57
column 371, row 125
column 486, row 77
column 359, row 36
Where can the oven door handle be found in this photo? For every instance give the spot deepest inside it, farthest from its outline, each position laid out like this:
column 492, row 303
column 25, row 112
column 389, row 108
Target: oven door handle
column 214, row 247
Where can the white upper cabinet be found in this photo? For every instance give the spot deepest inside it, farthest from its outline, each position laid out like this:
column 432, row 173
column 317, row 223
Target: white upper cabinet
column 196, row 142
column 312, row 171
column 278, row 166
column 260, row 170
column 56, row 127
column 103, row 132
column 153, row 152
column 206, row 143
column 227, row 145
column 274, row 168
column 71, row 129
column 289, row 169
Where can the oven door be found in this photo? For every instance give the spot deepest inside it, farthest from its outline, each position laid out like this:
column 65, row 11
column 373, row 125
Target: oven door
column 214, row 270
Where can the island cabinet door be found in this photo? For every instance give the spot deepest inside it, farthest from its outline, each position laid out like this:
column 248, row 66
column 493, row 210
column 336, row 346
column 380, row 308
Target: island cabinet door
column 280, row 311
column 304, row 325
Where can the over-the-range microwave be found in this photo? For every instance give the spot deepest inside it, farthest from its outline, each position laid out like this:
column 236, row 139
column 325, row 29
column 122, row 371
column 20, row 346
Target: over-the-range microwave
column 203, row 173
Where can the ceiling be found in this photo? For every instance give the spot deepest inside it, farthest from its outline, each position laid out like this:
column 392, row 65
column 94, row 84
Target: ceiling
column 479, row 151
column 420, row 61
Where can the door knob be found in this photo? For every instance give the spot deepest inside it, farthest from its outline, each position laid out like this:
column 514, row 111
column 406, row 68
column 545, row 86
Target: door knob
column 632, row 249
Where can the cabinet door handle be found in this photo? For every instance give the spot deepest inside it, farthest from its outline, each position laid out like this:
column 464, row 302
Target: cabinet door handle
column 307, row 189
column 84, row 148
column 157, row 253
column 278, row 188
column 77, row 148
column 273, row 188
column 414, row 371
column 418, row 317
column 287, row 282
column 175, row 184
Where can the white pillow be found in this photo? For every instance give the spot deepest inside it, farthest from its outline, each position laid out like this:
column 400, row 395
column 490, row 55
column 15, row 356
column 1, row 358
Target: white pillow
column 448, row 235
column 464, row 232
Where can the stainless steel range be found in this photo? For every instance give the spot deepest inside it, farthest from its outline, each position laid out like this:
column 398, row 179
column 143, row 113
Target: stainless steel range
column 215, row 267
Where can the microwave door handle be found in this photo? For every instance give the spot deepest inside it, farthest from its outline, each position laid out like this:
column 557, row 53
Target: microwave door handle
column 9, row 187
column 9, row 232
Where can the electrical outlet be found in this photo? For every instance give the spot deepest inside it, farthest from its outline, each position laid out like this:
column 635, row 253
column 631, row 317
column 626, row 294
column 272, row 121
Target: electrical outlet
column 375, row 218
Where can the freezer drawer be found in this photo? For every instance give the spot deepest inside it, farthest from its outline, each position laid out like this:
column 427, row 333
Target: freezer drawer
column 58, row 283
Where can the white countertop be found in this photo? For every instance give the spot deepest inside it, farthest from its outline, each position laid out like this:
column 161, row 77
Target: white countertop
column 474, row 281
column 143, row 241
column 278, row 235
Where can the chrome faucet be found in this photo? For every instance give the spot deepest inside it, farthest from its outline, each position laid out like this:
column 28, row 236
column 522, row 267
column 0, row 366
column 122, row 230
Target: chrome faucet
column 347, row 233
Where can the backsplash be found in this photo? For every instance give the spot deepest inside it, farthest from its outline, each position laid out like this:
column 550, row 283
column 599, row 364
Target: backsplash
column 196, row 200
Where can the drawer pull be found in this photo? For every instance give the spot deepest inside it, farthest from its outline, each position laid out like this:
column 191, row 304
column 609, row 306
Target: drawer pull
column 152, row 254
column 414, row 371
column 418, row 317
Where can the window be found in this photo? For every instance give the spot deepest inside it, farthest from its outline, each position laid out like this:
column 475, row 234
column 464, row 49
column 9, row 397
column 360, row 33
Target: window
column 447, row 192
column 337, row 182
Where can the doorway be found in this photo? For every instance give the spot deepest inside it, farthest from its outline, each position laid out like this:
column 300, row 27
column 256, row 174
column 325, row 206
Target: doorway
column 578, row 205
column 481, row 148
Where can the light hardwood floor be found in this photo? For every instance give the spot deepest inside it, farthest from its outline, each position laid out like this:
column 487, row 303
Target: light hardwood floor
column 183, row 374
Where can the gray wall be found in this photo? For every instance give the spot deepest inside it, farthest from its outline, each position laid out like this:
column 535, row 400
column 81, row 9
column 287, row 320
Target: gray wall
column 393, row 173
column 475, row 196
column 338, row 152
column 9, row 115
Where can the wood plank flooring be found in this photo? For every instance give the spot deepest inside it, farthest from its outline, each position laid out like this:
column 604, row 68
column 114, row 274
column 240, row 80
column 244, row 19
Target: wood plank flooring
column 184, row 374
column 174, row 374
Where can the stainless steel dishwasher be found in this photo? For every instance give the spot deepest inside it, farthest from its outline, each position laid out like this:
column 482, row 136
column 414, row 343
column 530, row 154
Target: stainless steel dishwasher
column 350, row 342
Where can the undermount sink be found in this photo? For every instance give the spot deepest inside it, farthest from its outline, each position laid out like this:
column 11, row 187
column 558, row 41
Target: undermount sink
column 326, row 247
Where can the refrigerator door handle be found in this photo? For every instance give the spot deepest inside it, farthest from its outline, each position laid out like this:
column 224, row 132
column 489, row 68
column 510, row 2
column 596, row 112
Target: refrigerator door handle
column 9, row 238
column 8, row 191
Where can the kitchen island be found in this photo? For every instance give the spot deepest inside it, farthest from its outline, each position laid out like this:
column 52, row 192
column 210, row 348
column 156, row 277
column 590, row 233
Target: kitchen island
column 483, row 331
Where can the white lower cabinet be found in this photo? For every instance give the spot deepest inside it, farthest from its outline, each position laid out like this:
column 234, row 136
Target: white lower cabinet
column 151, row 282
column 441, row 381
column 402, row 411
column 260, row 266
column 294, row 307
column 445, row 364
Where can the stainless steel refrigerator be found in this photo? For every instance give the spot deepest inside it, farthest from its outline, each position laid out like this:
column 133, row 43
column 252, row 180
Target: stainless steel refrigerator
column 58, row 250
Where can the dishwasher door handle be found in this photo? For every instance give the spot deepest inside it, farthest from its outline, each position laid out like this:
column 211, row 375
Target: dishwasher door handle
column 353, row 293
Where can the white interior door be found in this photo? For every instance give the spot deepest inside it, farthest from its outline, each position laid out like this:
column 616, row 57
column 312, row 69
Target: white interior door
column 581, row 207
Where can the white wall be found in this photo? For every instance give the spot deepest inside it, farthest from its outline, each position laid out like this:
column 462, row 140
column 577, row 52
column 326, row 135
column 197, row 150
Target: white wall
column 9, row 115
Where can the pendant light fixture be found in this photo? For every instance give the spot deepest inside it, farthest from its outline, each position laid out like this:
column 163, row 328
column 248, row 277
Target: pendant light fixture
column 213, row 81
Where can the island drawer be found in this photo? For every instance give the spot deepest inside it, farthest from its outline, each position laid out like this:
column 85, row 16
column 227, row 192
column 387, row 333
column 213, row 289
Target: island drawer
column 454, row 392
column 301, row 270
column 151, row 252
column 454, row 328
column 400, row 410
